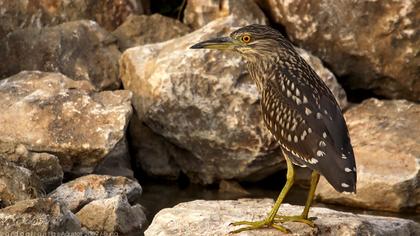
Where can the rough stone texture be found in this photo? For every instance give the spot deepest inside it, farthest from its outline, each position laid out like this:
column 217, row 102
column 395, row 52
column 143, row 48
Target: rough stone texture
column 81, row 50
column 79, row 192
column 385, row 137
column 203, row 101
column 16, row 183
column 198, row 13
column 37, row 216
column 117, row 162
column 44, row 165
column 152, row 153
column 213, row 218
column 136, row 30
column 373, row 44
column 40, row 13
column 48, row 112
column 112, row 215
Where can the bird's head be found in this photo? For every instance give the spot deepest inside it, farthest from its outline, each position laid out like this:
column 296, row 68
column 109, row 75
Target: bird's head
column 251, row 41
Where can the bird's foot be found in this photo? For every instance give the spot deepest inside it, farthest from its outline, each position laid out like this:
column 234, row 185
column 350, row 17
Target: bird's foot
column 298, row 218
column 267, row 223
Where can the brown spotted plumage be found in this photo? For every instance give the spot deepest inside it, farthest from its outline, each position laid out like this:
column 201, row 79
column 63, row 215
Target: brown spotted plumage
column 297, row 107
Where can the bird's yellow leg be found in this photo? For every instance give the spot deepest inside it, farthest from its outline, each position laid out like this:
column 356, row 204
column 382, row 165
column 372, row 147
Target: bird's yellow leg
column 303, row 218
column 269, row 221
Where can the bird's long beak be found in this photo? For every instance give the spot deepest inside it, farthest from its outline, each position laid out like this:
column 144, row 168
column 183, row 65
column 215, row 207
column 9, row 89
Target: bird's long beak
column 216, row 43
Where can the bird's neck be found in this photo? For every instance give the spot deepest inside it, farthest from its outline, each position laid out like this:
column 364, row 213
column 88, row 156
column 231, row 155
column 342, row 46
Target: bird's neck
column 260, row 69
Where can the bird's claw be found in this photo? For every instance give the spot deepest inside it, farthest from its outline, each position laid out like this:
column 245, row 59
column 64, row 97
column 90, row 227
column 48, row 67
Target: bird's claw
column 298, row 218
column 257, row 225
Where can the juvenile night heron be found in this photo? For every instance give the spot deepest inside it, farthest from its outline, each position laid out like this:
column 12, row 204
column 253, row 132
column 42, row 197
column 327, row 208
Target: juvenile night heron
column 299, row 110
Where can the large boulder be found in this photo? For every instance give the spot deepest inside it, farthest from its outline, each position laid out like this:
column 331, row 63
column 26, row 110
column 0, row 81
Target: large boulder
column 44, row 165
column 198, row 13
column 16, row 183
column 81, row 50
column 372, row 44
column 385, row 137
column 41, row 216
column 213, row 218
column 112, row 215
column 48, row 112
column 79, row 192
column 204, row 102
column 136, row 30
column 21, row 13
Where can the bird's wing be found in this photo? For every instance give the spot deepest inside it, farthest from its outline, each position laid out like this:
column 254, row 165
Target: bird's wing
column 311, row 127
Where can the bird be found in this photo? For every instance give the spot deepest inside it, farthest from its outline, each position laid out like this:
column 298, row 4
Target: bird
column 300, row 112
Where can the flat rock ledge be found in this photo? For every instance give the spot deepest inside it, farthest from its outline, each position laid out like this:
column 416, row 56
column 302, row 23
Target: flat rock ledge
column 202, row 217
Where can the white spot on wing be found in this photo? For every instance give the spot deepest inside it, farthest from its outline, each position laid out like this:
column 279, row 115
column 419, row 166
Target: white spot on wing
column 322, row 143
column 343, row 156
column 347, row 169
column 302, row 137
column 313, row 161
column 344, row 185
column 320, row 153
column 318, row 115
column 305, row 100
column 307, row 111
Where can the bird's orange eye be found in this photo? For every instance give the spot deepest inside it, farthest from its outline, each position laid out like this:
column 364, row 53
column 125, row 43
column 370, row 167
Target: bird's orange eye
column 246, row 38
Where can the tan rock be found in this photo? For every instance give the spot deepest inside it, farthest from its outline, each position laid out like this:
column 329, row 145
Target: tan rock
column 112, row 215
column 198, row 13
column 21, row 14
column 201, row 218
column 385, row 138
column 374, row 44
column 204, row 102
column 44, row 165
column 81, row 50
column 48, row 112
column 16, row 183
column 136, row 30
column 79, row 192
column 37, row 216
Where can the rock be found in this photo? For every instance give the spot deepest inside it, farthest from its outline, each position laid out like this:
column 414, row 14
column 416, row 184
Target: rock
column 136, row 30
column 79, row 192
column 44, row 165
column 48, row 112
column 81, row 50
column 232, row 187
column 198, row 13
column 202, row 218
column 153, row 153
column 117, row 162
column 385, row 139
column 112, row 215
column 375, row 45
column 37, row 216
column 21, row 14
column 16, row 183
column 215, row 118
column 204, row 102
